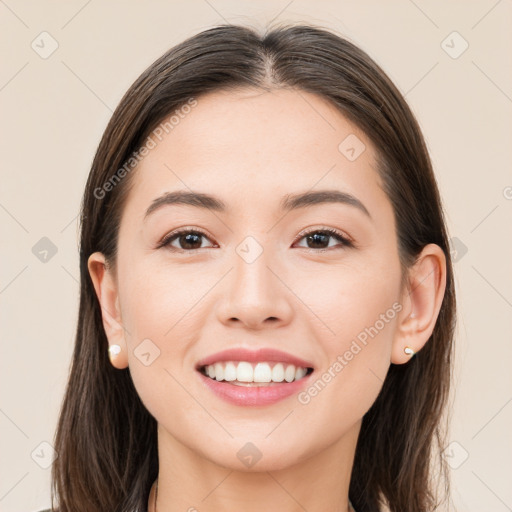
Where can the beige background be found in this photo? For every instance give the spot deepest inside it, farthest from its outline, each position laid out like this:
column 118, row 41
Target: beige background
column 54, row 110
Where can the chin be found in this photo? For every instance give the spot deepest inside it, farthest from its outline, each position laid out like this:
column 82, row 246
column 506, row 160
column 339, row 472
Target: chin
column 254, row 457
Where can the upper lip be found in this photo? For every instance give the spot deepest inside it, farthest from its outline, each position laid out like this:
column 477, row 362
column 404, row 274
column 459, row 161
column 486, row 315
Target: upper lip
column 256, row 355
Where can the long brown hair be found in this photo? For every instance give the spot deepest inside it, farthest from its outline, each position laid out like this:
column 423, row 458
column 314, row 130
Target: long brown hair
column 106, row 440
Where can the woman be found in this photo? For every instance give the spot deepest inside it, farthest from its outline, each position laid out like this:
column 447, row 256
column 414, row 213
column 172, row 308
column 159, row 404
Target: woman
column 267, row 301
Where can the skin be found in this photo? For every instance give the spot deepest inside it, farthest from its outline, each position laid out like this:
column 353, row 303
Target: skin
column 250, row 148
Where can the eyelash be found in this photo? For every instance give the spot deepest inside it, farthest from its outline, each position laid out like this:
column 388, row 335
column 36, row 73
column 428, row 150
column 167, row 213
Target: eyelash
column 345, row 241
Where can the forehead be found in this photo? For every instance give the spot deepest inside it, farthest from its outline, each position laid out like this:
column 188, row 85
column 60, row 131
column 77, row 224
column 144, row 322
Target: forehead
column 250, row 146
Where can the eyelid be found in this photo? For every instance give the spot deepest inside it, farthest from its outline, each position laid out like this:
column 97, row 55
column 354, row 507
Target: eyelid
column 314, row 229
column 166, row 239
column 346, row 240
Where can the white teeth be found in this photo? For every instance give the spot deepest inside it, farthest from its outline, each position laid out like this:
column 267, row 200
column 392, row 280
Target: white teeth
column 278, row 373
column 300, row 372
column 289, row 373
column 262, row 372
column 244, row 372
column 219, row 371
column 229, row 372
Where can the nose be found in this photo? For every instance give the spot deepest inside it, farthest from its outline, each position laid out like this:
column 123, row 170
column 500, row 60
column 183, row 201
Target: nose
column 256, row 295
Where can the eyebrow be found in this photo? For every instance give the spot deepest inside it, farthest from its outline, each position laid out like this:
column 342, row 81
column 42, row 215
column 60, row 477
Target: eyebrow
column 288, row 203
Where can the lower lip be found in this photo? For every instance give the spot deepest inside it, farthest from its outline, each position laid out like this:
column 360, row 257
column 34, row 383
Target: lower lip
column 254, row 395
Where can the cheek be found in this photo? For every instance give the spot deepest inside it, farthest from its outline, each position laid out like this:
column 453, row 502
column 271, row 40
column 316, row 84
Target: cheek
column 348, row 299
column 162, row 315
column 358, row 311
column 357, row 361
column 156, row 296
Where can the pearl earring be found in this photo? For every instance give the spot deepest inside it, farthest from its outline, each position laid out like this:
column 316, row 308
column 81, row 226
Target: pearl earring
column 409, row 351
column 113, row 352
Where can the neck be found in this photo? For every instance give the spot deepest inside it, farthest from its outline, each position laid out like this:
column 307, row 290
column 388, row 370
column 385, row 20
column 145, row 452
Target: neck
column 187, row 481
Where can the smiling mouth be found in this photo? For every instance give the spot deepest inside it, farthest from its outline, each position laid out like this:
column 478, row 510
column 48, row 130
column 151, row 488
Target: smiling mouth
column 243, row 373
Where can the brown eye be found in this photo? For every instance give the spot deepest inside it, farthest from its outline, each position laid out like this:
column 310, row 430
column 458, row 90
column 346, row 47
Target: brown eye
column 320, row 239
column 188, row 240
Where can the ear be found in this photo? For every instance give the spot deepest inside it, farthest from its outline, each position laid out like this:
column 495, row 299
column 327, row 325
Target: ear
column 106, row 290
column 422, row 301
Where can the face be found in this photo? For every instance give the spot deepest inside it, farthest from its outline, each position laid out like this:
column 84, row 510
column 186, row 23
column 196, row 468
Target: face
column 259, row 275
